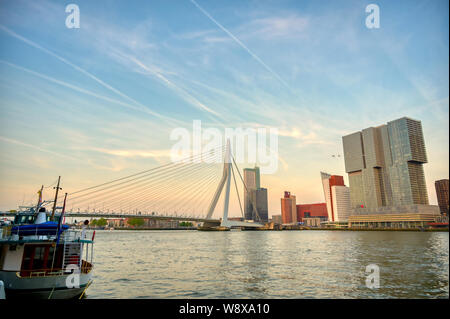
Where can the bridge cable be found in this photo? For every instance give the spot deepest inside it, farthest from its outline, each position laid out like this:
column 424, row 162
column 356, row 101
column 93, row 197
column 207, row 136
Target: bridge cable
column 149, row 170
column 160, row 174
column 237, row 192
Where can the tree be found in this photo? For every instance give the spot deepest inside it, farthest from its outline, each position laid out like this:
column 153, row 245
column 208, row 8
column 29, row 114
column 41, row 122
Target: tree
column 135, row 222
column 102, row 222
column 186, row 224
column 99, row 222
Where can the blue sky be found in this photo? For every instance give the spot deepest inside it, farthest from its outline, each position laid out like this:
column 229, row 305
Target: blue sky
column 99, row 102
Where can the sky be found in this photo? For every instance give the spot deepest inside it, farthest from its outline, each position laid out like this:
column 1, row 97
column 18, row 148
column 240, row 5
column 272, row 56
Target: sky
column 99, row 102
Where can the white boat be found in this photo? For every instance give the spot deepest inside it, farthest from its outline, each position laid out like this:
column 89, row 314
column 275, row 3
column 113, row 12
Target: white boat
column 44, row 259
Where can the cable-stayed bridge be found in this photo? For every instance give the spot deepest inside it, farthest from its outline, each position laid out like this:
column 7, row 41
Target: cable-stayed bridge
column 187, row 190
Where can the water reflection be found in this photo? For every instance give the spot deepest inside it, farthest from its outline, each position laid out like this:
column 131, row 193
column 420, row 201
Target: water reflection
column 252, row 264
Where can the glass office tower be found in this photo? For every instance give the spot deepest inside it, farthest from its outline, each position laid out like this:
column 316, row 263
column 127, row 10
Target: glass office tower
column 385, row 165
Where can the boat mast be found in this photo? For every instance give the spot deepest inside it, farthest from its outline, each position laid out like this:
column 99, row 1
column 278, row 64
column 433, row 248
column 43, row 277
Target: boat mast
column 56, row 198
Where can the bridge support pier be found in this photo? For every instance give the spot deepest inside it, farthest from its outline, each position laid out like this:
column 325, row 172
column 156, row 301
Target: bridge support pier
column 212, row 226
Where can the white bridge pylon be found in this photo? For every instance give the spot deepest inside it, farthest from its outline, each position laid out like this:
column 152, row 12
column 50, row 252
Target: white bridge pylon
column 226, row 178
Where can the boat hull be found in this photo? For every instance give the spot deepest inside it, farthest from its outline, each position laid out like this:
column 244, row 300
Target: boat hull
column 49, row 287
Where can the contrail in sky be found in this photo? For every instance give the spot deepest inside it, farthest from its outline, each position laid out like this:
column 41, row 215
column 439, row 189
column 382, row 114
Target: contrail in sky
column 76, row 88
column 241, row 44
column 37, row 46
column 12, row 141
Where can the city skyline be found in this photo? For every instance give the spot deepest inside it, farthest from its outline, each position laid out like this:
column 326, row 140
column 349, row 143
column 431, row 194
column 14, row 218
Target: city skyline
column 99, row 102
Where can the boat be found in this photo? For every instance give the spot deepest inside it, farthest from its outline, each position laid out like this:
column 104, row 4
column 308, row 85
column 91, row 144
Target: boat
column 40, row 257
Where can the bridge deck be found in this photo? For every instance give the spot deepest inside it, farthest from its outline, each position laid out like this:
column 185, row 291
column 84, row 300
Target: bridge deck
column 121, row 215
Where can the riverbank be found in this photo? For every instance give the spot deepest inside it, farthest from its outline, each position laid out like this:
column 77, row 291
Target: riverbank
column 153, row 228
column 383, row 229
column 300, row 228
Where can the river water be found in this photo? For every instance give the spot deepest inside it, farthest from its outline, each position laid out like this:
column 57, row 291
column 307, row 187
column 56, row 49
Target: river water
column 269, row 264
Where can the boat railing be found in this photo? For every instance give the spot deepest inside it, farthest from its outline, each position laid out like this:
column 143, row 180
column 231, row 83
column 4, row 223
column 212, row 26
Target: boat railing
column 69, row 235
column 75, row 235
column 86, row 267
column 5, row 232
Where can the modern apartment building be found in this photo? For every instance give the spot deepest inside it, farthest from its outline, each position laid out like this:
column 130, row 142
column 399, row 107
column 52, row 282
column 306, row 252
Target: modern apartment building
column 442, row 195
column 337, row 197
column 340, row 195
column 385, row 165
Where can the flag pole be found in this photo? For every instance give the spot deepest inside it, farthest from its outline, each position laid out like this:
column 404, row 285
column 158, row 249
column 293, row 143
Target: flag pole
column 39, row 199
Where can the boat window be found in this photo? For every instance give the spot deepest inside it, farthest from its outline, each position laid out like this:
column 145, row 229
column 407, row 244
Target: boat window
column 24, row 219
column 27, row 261
column 39, row 258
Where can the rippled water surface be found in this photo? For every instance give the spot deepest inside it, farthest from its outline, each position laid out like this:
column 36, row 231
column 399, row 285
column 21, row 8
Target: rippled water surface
column 269, row 264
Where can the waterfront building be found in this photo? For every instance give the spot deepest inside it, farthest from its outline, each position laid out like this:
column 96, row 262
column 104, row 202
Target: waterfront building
column 288, row 209
column 341, row 202
column 277, row 220
column 116, row 222
column 153, row 223
column 385, row 165
column 318, row 210
column 442, row 195
column 403, row 216
column 312, row 221
column 387, row 181
column 337, row 197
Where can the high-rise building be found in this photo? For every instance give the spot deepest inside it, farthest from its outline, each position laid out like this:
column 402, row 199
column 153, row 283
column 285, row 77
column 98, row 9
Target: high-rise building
column 442, row 195
column 254, row 194
column 340, row 196
column 385, row 165
column 288, row 209
column 252, row 177
column 337, row 197
column 251, row 180
column 259, row 197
